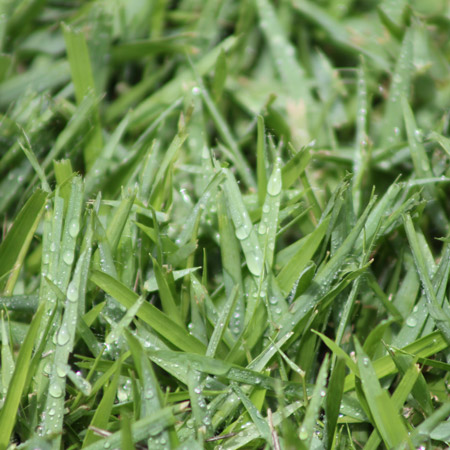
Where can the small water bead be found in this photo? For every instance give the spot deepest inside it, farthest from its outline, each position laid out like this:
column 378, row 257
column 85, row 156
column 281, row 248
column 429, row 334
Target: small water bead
column 366, row 362
column 303, row 435
column 207, row 420
column 53, row 247
column 149, row 394
column 198, row 390
column 63, row 336
column 72, row 292
column 55, row 390
column 275, row 182
column 418, row 134
column 45, row 258
column 68, row 257
column 51, row 412
column 196, row 90
column 266, row 208
column 262, row 229
column 411, row 322
column 61, row 371
column 74, row 228
column 243, row 232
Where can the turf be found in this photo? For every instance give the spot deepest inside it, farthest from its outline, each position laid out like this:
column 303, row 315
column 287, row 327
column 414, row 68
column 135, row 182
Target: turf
column 224, row 224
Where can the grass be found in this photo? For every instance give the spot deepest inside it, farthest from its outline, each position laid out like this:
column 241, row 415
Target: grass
column 224, row 224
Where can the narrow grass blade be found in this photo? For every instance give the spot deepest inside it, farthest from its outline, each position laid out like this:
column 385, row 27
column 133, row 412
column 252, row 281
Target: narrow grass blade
column 148, row 313
column 9, row 410
column 293, row 268
column 434, row 308
column 174, row 88
column 83, row 80
column 261, row 160
column 222, row 322
column 400, row 87
column 143, row 428
column 243, row 225
column 334, row 398
column 103, row 411
column 16, row 243
column 256, row 417
column 387, row 419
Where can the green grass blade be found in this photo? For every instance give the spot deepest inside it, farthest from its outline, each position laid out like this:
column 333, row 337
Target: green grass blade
column 16, row 243
column 9, row 410
column 148, row 313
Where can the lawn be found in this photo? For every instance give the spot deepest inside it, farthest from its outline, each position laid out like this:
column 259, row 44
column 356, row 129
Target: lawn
column 225, row 224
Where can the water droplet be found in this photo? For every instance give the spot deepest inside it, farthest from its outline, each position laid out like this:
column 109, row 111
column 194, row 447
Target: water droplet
column 303, row 434
column 411, row 322
column 149, row 394
column 242, row 232
column 274, row 185
column 206, row 420
column 45, row 258
column 418, row 134
column 53, row 247
column 61, row 371
column 196, row 90
column 74, row 228
column 366, row 362
column 51, row 412
column 323, row 393
column 55, row 390
column 262, row 229
column 63, row 336
column 266, row 208
column 72, row 292
column 198, row 390
column 68, row 257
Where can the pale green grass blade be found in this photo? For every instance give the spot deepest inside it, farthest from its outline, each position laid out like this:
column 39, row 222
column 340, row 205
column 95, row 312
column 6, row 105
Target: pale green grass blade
column 141, row 429
column 83, row 80
column 243, row 226
column 260, row 423
column 148, row 313
column 10, row 407
column 424, row 347
column 387, row 419
column 427, row 426
column 434, row 308
column 227, row 136
column 102, row 412
column 398, row 399
column 8, row 363
column 292, row 269
column 333, row 399
column 15, row 245
column 252, row 432
column 283, row 53
column 222, row 322
column 268, row 225
column 312, row 412
column 399, row 88
column 174, row 88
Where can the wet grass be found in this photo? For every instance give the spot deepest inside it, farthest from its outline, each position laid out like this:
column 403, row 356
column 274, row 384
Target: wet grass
column 224, row 224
